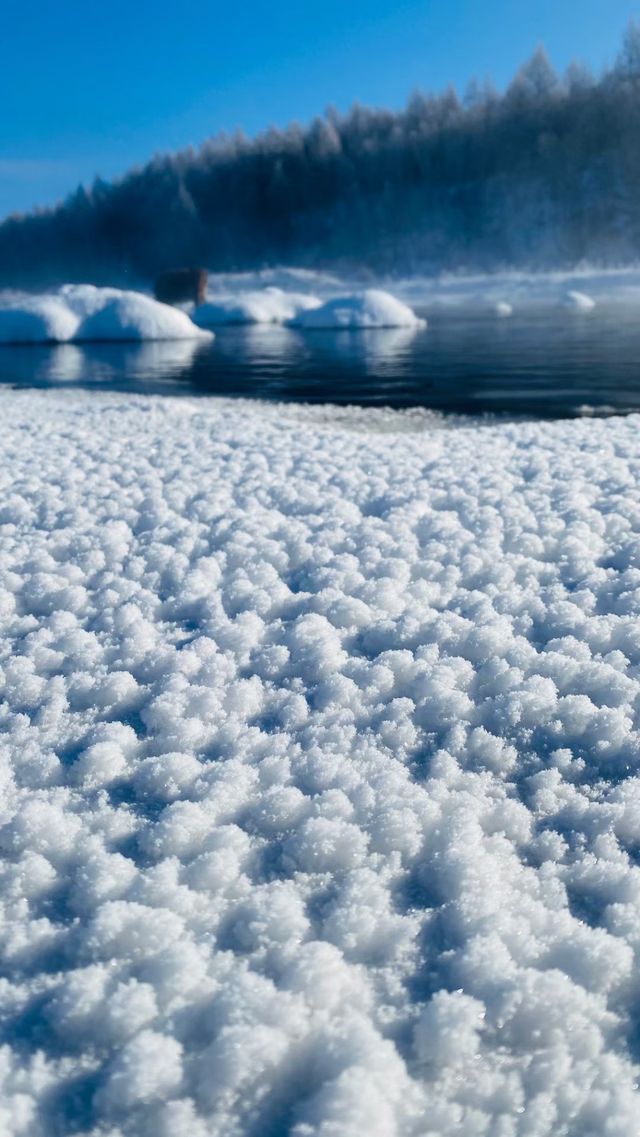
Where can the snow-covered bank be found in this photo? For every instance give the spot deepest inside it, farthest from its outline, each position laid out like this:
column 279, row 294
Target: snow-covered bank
column 321, row 806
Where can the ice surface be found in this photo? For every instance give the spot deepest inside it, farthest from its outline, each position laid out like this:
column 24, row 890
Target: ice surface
column 269, row 305
column 35, row 319
column 371, row 308
column 320, row 805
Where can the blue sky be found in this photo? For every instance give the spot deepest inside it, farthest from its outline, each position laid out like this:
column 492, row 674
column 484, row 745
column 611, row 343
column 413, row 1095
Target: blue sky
column 94, row 86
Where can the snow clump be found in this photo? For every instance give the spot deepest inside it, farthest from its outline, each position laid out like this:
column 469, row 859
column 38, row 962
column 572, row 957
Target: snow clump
column 371, row 308
column 134, row 316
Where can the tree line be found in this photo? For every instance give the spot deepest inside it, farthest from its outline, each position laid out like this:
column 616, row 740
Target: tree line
column 545, row 174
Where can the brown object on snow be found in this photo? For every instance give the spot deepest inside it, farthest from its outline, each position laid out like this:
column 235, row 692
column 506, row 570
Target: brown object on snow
column 179, row 285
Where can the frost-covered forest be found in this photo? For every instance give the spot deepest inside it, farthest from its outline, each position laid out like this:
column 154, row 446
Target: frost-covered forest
column 543, row 175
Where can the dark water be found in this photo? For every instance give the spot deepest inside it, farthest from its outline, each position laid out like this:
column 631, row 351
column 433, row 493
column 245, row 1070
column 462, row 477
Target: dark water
column 551, row 363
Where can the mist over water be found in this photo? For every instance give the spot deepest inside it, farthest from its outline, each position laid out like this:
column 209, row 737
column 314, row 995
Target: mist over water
column 547, row 363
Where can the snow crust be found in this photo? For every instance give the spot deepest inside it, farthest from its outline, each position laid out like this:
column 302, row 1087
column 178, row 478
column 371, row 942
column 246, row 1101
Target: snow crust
column 371, row 308
column 84, row 313
column 320, row 805
column 270, row 305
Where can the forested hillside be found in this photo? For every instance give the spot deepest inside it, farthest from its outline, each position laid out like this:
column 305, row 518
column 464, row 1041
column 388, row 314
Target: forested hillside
column 543, row 175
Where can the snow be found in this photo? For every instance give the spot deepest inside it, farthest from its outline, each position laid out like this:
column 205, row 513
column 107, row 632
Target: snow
column 320, row 805
column 37, row 319
column 526, row 292
column 85, row 299
column 84, row 313
column 371, row 308
column 284, row 277
column 269, row 305
column 617, row 290
column 304, row 298
column 133, row 316
column 580, row 301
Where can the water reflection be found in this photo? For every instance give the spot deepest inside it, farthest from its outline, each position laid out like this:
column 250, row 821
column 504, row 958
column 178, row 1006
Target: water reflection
column 157, row 357
column 545, row 363
column 263, row 344
column 97, row 364
column 107, row 363
column 40, row 365
column 373, row 348
column 65, row 363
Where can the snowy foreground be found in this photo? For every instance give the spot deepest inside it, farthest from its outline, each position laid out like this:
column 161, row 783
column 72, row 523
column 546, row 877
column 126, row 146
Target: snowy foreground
column 320, row 798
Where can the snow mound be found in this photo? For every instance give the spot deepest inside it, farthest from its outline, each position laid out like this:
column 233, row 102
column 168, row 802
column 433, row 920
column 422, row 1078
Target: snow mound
column 85, row 313
column 579, row 301
column 134, row 316
column 85, row 299
column 319, row 775
column 371, row 308
column 36, row 319
column 266, row 306
column 503, row 309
